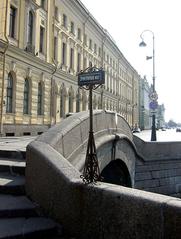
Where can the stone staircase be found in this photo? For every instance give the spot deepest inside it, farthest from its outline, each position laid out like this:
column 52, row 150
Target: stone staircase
column 19, row 217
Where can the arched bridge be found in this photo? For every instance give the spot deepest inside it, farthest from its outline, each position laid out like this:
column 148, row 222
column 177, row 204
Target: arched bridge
column 114, row 143
column 55, row 161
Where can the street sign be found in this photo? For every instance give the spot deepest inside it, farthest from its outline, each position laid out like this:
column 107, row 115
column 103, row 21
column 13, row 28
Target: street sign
column 153, row 105
column 153, row 96
column 91, row 78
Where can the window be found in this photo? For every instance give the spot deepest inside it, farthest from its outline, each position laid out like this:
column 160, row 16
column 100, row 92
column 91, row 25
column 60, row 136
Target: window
column 99, row 51
column 84, row 101
column 64, row 51
column 62, row 102
column 104, row 55
column 85, row 39
column 90, row 63
column 79, row 34
column 56, row 13
column 9, row 94
column 26, row 97
column 30, row 28
column 72, row 30
column 64, row 20
column 107, row 58
column 71, row 58
column 55, row 47
column 85, row 62
column 42, row 33
column 12, row 22
column 70, row 101
column 43, row 4
column 78, row 62
column 78, row 101
column 90, row 44
column 95, row 48
column 40, row 99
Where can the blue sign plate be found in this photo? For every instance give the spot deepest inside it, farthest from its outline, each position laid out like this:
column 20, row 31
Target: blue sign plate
column 153, row 105
column 91, row 78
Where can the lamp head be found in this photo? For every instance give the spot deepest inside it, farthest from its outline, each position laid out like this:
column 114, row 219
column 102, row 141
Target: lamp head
column 148, row 57
column 142, row 44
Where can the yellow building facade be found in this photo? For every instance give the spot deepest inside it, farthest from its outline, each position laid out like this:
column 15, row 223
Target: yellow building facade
column 43, row 46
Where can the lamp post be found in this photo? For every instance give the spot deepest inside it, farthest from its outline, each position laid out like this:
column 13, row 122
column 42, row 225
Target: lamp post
column 154, row 94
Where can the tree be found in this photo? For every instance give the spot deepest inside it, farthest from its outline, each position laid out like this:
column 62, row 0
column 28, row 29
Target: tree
column 171, row 123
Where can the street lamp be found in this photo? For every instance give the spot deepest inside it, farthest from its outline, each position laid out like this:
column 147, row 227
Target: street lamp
column 153, row 94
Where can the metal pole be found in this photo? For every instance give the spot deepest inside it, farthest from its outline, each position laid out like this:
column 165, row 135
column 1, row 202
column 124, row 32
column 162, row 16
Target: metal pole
column 91, row 134
column 153, row 129
column 91, row 172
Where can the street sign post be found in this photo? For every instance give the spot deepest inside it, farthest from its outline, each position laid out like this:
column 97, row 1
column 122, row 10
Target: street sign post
column 90, row 79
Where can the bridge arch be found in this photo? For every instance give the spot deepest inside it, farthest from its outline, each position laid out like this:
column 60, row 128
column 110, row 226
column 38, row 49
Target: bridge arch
column 117, row 147
column 116, row 172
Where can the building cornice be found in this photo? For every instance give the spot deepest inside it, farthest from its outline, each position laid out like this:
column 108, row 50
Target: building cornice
column 36, row 63
column 29, row 59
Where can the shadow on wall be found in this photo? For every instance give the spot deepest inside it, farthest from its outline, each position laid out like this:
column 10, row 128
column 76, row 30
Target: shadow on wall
column 116, row 172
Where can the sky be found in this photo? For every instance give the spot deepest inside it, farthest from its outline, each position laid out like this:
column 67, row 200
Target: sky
column 125, row 20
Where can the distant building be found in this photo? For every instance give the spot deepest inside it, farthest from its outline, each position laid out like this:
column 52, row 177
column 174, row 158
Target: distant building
column 160, row 116
column 43, row 45
column 144, row 100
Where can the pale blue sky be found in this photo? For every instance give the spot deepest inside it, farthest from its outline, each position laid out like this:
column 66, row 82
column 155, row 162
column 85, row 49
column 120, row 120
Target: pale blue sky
column 125, row 20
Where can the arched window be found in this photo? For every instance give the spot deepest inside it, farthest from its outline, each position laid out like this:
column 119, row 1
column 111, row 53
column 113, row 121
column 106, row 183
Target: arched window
column 94, row 102
column 40, row 99
column 71, row 97
column 84, row 100
column 26, row 97
column 99, row 103
column 78, row 101
column 9, row 94
column 62, row 102
column 30, row 28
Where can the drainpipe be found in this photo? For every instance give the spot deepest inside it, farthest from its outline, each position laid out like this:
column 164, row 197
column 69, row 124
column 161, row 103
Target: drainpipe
column 3, row 74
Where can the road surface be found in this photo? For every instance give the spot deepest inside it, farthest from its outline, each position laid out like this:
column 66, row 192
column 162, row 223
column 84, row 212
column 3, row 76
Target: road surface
column 168, row 135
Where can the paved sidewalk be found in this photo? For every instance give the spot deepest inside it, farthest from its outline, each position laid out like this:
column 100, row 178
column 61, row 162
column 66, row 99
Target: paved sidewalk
column 15, row 143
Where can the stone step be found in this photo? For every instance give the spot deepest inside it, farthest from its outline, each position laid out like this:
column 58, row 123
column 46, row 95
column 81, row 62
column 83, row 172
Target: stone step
column 33, row 227
column 16, row 206
column 12, row 184
column 14, row 166
column 13, row 154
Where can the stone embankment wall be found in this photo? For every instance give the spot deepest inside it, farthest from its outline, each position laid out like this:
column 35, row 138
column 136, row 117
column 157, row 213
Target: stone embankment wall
column 100, row 210
column 159, row 168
